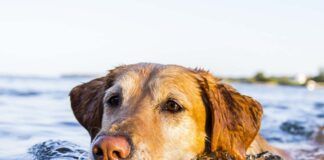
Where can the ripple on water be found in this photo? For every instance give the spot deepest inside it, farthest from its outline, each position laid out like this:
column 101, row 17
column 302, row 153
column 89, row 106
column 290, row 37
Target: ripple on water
column 24, row 137
column 297, row 128
column 70, row 124
column 4, row 133
column 319, row 105
column 57, row 149
column 321, row 115
column 20, row 93
column 281, row 107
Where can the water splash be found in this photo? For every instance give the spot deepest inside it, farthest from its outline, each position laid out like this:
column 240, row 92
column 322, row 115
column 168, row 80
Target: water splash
column 58, row 149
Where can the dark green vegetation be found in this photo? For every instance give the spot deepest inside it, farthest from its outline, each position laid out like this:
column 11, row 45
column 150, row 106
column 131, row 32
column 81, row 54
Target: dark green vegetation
column 319, row 77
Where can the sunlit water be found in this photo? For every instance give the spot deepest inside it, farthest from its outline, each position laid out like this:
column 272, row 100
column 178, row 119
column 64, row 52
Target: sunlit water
column 34, row 110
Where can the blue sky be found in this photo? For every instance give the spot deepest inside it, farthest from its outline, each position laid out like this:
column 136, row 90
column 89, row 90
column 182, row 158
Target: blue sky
column 231, row 38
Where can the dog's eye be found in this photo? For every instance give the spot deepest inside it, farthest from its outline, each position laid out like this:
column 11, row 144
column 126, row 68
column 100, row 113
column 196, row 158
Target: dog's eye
column 114, row 101
column 172, row 106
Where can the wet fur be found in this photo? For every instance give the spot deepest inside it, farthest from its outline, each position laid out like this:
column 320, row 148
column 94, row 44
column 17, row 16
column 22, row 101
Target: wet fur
column 216, row 117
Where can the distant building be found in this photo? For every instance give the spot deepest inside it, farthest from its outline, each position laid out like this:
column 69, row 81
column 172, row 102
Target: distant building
column 300, row 78
column 311, row 85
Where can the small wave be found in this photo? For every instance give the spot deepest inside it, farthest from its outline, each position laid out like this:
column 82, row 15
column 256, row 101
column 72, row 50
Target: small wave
column 13, row 92
column 319, row 105
column 70, row 124
column 296, row 128
column 57, row 149
column 57, row 94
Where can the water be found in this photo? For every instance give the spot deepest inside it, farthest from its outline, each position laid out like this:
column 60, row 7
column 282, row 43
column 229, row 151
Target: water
column 34, row 110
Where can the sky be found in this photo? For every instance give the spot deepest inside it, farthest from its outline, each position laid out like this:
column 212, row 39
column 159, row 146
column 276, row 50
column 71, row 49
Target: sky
column 229, row 38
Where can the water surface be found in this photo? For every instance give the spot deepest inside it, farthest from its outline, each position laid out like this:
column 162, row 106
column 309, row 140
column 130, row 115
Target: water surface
column 34, row 110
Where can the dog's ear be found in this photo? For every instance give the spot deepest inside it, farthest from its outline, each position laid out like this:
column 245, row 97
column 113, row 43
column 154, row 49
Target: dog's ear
column 87, row 100
column 87, row 104
column 235, row 118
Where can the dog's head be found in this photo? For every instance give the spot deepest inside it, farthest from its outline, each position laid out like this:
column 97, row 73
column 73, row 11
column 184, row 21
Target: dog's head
column 152, row 111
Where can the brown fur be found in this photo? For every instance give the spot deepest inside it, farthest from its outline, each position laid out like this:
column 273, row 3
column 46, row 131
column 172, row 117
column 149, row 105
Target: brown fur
column 215, row 118
column 236, row 118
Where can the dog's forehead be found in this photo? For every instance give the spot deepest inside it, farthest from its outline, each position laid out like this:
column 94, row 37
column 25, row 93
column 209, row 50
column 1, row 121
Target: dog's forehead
column 156, row 79
column 146, row 74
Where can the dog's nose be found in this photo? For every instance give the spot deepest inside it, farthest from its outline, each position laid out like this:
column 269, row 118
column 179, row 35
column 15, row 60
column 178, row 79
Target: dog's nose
column 111, row 148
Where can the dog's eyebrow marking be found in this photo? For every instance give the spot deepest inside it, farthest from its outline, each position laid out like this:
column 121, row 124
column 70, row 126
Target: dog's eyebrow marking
column 179, row 97
column 129, row 83
column 116, row 89
column 176, row 88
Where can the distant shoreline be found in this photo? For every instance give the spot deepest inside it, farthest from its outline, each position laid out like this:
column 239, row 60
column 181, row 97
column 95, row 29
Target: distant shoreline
column 279, row 81
column 320, row 84
column 258, row 78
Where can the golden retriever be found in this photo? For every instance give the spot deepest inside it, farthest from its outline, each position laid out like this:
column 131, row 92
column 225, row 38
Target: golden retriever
column 153, row 111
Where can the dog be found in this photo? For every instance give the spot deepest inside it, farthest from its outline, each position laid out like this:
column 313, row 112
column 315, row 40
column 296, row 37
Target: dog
column 153, row 111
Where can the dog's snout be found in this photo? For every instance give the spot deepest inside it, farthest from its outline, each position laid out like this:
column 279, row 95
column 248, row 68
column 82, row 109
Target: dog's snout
column 111, row 148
